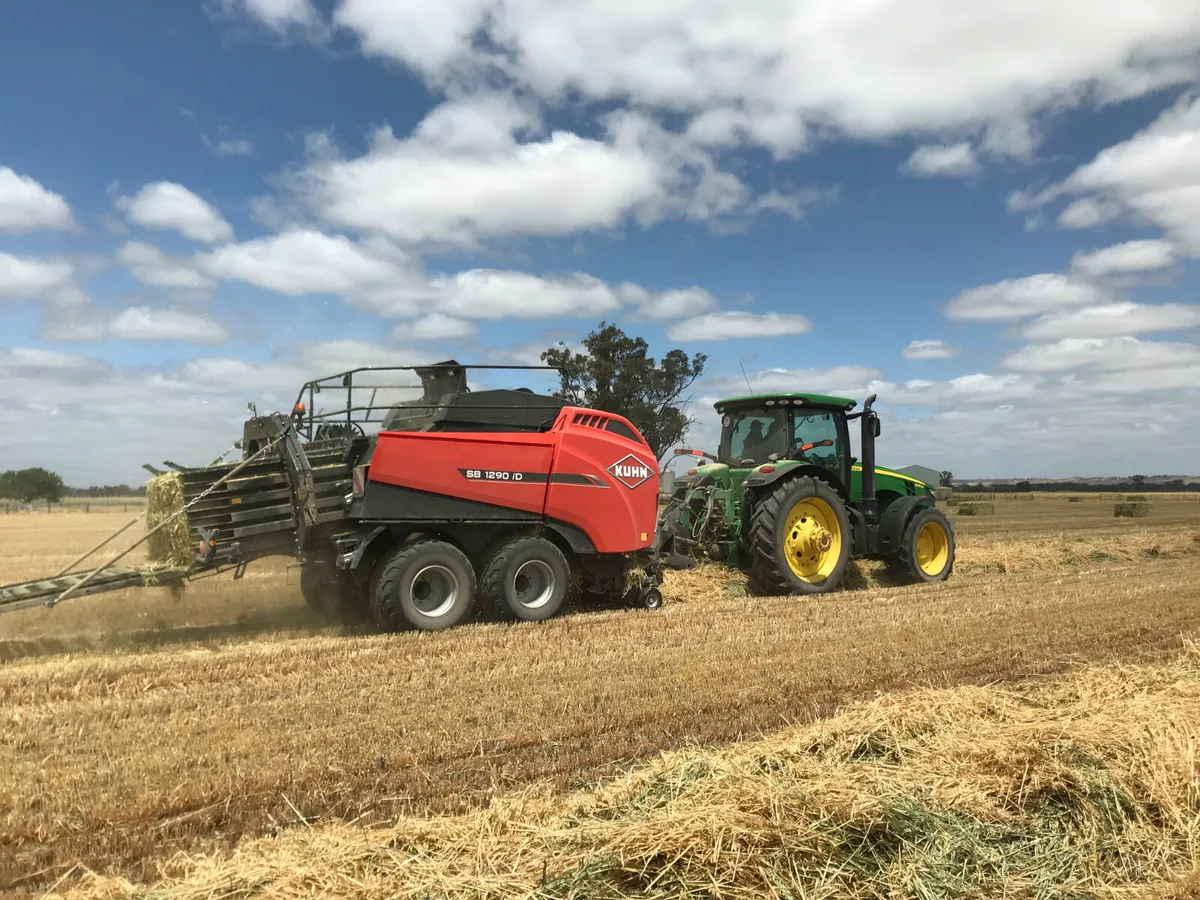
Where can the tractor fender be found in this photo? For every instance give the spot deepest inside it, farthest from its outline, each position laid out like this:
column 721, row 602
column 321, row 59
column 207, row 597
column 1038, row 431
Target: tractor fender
column 758, row 479
column 895, row 519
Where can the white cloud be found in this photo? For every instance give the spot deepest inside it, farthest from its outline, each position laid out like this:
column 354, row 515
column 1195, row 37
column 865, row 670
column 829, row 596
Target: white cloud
column 1114, row 319
column 25, row 205
column 483, row 168
column 1129, row 257
column 234, row 147
column 1154, row 175
column 29, row 277
column 1019, row 297
column 1112, row 354
column 299, row 262
column 719, row 326
column 435, row 327
column 1087, row 213
column 675, row 304
column 843, row 381
column 152, row 267
column 167, row 206
column 380, row 278
column 951, row 160
column 279, row 16
column 148, row 323
column 929, row 350
column 774, row 67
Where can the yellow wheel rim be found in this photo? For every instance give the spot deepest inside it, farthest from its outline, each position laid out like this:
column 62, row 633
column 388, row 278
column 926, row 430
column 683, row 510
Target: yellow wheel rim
column 812, row 539
column 933, row 548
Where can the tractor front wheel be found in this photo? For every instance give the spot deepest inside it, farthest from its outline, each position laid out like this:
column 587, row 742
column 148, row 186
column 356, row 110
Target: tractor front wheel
column 926, row 551
column 799, row 539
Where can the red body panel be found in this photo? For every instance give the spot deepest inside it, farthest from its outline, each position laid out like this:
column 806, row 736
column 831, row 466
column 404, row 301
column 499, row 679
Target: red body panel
column 577, row 472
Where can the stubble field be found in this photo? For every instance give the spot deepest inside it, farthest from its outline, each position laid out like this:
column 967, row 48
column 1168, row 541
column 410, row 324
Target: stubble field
column 138, row 724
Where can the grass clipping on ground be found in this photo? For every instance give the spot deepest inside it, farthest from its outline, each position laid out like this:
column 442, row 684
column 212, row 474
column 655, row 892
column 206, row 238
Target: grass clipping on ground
column 171, row 545
column 1085, row 785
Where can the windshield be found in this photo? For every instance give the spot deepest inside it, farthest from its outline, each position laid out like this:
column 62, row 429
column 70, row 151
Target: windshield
column 753, row 435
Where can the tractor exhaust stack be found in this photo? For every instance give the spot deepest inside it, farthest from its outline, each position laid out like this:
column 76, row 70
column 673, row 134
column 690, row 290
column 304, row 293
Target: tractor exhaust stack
column 870, row 429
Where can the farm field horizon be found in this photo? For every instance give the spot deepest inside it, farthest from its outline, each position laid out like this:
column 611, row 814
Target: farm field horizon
column 141, row 724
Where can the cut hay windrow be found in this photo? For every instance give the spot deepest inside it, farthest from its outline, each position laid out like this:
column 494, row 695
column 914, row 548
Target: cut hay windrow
column 171, row 545
column 1083, row 785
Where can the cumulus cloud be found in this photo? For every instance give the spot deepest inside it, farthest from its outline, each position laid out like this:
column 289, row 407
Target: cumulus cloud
column 929, row 350
column 383, row 279
column 1114, row 319
column 772, row 68
column 435, row 327
column 149, row 323
column 166, row 206
column 951, row 160
column 1109, row 354
column 1020, row 297
column 1131, row 257
column 25, row 205
column 720, row 326
column 482, row 168
column 37, row 278
column 152, row 267
column 1154, row 176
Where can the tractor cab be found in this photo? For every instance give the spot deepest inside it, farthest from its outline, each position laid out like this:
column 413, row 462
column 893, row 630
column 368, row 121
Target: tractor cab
column 807, row 428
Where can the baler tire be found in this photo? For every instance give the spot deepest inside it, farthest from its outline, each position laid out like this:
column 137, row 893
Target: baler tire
column 332, row 593
column 926, row 551
column 498, row 582
column 449, row 571
column 771, row 573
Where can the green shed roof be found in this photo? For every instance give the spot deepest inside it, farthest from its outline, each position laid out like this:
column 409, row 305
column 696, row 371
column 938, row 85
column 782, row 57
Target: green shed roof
column 753, row 400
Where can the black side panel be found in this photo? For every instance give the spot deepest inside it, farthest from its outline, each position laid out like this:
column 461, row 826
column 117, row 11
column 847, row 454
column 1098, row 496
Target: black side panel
column 893, row 520
column 389, row 503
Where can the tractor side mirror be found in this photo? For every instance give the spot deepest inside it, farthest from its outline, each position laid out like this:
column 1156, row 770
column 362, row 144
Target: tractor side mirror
column 875, row 429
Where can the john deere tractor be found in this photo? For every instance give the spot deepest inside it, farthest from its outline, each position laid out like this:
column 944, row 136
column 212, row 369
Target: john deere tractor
column 783, row 499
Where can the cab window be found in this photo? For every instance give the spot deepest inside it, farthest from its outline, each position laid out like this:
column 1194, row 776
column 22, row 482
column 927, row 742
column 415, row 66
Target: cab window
column 810, row 432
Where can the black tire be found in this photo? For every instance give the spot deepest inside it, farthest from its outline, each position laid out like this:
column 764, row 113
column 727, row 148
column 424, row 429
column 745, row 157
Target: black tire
column 919, row 557
column 332, row 593
column 771, row 571
column 428, row 585
column 527, row 579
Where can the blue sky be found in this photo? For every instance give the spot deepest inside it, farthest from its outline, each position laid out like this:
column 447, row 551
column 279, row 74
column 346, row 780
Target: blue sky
column 990, row 219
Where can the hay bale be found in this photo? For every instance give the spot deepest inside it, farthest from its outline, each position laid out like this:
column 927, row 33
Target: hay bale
column 1131, row 510
column 977, row 508
column 171, row 545
column 1074, row 499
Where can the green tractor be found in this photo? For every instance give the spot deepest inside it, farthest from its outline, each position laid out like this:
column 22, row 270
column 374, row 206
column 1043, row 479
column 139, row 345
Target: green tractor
column 784, row 500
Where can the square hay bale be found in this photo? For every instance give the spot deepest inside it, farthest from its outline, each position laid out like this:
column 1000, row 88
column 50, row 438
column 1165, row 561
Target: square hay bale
column 1131, row 509
column 171, row 546
column 1074, row 499
column 977, row 508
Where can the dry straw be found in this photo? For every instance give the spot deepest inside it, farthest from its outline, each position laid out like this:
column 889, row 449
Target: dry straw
column 1087, row 785
column 164, row 497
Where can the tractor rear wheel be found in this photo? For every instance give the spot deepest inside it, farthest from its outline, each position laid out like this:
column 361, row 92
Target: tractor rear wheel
column 799, row 539
column 926, row 551
column 428, row 585
column 332, row 593
column 527, row 578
